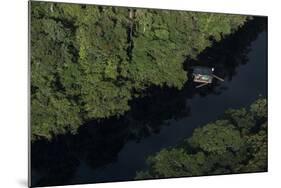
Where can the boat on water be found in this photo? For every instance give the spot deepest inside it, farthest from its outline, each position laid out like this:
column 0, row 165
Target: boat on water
column 203, row 75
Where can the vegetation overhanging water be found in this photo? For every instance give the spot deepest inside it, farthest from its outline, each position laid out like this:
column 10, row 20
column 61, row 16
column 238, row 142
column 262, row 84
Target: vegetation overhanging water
column 114, row 149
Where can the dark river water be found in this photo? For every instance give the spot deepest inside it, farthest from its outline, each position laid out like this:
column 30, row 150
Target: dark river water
column 115, row 149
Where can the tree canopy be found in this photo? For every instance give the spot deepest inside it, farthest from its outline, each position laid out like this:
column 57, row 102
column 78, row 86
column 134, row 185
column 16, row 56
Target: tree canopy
column 236, row 143
column 88, row 62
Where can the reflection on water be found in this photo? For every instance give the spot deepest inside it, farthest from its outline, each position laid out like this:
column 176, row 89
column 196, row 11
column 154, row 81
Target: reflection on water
column 114, row 149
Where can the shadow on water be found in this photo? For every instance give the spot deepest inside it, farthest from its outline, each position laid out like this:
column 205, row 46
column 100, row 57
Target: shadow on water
column 72, row 159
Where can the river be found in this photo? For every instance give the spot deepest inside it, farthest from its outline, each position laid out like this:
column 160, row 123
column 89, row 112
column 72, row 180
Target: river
column 115, row 149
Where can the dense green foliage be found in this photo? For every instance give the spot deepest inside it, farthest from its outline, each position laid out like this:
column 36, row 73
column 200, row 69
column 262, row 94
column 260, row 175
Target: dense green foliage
column 88, row 62
column 234, row 144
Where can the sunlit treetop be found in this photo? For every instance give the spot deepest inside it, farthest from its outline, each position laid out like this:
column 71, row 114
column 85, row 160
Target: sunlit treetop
column 88, row 62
